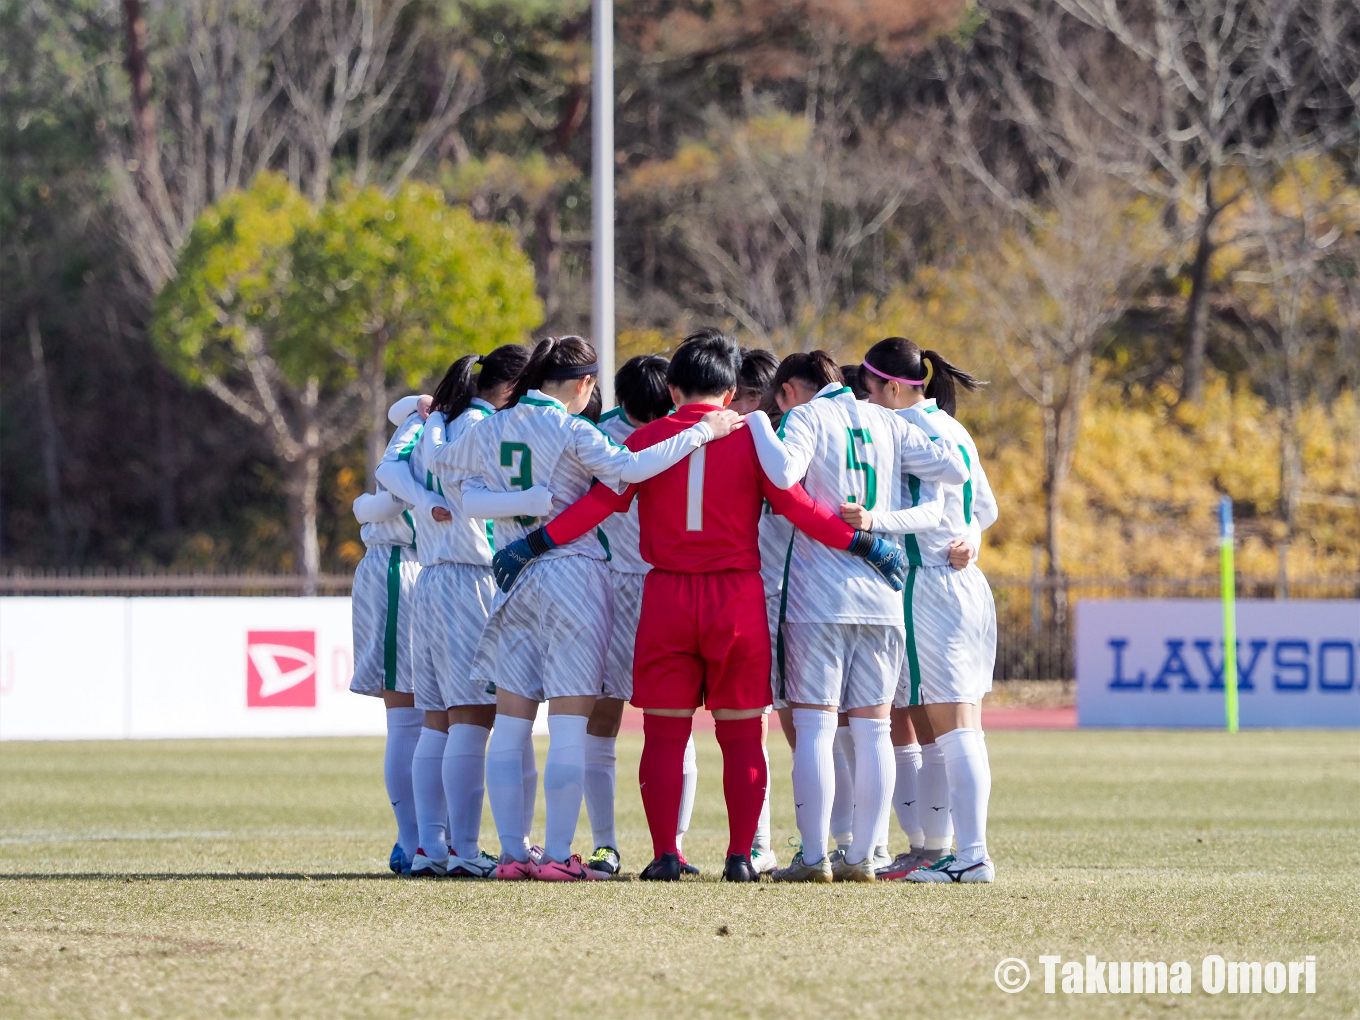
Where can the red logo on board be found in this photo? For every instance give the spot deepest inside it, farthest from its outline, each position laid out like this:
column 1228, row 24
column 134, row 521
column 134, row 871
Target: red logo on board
column 281, row 669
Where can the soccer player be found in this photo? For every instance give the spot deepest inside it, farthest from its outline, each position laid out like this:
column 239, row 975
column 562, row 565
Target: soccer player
column 843, row 632
column 703, row 637
column 384, row 582
column 950, row 619
column 547, row 639
column 452, row 598
column 776, row 533
column 640, row 386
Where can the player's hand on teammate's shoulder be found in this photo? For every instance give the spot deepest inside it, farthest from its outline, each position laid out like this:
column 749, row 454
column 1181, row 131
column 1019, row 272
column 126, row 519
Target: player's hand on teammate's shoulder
column 722, row 423
column 423, row 406
column 857, row 517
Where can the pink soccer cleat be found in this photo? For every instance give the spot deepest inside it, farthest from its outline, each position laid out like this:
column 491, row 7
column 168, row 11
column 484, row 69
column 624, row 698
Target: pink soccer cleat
column 511, row 870
column 570, row 870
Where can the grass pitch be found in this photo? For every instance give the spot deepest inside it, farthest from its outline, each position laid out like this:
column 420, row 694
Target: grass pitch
column 248, row 878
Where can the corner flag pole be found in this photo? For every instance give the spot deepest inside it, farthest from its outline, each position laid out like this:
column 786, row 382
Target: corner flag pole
column 1229, row 579
column 602, row 197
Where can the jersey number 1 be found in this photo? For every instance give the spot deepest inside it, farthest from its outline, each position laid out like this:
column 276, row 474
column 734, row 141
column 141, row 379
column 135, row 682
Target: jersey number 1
column 525, row 478
column 854, row 463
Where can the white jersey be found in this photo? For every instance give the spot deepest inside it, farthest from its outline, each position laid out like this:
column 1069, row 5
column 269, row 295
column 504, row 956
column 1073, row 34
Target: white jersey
column 968, row 508
column 537, row 442
column 776, row 535
column 622, row 531
column 463, row 539
column 398, row 530
column 849, row 451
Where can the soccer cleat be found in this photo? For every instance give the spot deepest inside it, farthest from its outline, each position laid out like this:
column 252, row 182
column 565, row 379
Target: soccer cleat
column 948, row 869
column 398, row 862
column 605, row 860
column 738, row 869
column 798, row 871
column 686, row 868
column 665, row 868
column 843, row 871
column 880, row 858
column 902, row 865
column 511, row 870
column 763, row 860
column 571, row 870
column 481, row 866
column 428, row 867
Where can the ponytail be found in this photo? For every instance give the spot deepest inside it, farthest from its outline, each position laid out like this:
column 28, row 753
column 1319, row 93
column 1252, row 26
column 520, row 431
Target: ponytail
column 897, row 359
column 555, row 358
column 816, row 368
column 475, row 375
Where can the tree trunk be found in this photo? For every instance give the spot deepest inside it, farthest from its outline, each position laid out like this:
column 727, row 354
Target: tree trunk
column 303, row 490
column 1196, row 311
column 377, row 396
column 50, row 440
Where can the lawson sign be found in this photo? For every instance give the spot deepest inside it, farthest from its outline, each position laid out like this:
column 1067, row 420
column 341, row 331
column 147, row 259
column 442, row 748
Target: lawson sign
column 1159, row 662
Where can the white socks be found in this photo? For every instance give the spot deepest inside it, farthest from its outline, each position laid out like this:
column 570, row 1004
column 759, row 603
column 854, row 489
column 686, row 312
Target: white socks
column 843, row 803
column 507, row 783
column 403, row 731
column 762, row 840
column 969, row 787
column 427, row 779
column 464, row 780
column 936, row 826
column 691, row 780
column 814, row 778
column 874, row 775
column 599, row 786
column 906, row 795
column 563, row 782
column 529, row 784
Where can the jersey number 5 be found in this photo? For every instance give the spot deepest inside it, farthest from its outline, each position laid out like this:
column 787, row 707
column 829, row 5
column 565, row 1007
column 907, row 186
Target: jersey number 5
column 525, row 478
column 854, row 463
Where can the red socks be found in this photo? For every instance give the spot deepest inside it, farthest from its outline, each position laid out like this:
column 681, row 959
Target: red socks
column 744, row 779
column 661, row 774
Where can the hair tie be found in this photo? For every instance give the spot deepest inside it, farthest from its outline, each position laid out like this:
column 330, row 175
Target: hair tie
column 481, row 358
column 572, row 372
column 898, row 378
column 930, row 372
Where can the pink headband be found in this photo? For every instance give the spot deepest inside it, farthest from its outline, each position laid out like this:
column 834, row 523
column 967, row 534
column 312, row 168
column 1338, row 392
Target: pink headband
column 898, row 379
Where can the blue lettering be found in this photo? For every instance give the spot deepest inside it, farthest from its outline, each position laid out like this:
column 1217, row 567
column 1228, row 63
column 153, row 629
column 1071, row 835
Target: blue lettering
column 1297, row 677
column 1325, row 682
column 1243, row 674
column 1175, row 666
column 1119, row 681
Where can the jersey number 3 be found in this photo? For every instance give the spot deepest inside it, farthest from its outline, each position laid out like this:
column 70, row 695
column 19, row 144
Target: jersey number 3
column 854, row 463
column 525, row 478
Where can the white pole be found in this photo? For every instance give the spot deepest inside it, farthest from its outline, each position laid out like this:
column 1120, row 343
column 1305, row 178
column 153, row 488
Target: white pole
column 602, row 198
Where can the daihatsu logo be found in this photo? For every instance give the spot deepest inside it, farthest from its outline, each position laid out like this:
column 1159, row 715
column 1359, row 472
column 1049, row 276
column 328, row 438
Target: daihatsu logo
column 281, row 669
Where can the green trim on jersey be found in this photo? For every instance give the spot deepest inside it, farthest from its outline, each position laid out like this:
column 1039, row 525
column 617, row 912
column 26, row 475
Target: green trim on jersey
column 550, row 402
column 616, row 412
column 433, row 484
column 909, row 542
column 783, row 607
column 836, row 393
column 410, row 524
column 604, row 544
column 913, row 663
column 491, row 535
column 393, row 606
column 967, row 486
column 596, row 425
column 405, row 453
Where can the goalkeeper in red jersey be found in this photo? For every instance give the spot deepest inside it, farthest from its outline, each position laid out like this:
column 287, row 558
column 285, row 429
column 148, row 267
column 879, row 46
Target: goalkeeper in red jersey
column 703, row 637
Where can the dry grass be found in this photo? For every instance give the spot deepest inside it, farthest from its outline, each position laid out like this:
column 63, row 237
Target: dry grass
column 246, row 879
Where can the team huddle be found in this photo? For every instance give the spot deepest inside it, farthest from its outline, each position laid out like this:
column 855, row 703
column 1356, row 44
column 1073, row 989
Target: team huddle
column 741, row 534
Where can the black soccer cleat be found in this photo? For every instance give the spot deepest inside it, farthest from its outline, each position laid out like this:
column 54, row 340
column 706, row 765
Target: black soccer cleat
column 738, row 869
column 665, row 868
column 686, row 868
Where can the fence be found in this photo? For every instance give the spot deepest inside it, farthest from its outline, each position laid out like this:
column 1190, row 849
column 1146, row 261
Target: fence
column 1034, row 618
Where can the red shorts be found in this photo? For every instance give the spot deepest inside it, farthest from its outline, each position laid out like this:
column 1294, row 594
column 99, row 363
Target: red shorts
column 703, row 639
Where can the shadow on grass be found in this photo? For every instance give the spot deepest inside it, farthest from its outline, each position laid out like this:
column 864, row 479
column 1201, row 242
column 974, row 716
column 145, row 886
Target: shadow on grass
column 193, row 876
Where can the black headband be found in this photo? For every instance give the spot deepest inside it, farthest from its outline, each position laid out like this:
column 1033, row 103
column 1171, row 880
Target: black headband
column 572, row 372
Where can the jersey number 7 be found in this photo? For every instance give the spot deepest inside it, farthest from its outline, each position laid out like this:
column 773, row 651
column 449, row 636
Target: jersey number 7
column 525, row 478
column 853, row 463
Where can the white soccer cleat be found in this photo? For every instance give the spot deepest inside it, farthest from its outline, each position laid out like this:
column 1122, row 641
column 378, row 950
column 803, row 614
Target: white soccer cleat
column 481, row 866
column 763, row 861
column 427, row 867
column 949, row 869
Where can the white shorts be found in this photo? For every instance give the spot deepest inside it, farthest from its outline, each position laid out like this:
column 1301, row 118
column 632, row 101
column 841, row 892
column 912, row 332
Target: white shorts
column 772, row 603
column 618, row 669
column 452, row 603
column 951, row 637
column 550, row 636
column 381, row 608
column 846, row 665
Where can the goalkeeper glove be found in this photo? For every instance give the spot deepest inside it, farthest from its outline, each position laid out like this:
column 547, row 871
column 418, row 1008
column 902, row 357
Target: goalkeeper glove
column 509, row 563
column 883, row 555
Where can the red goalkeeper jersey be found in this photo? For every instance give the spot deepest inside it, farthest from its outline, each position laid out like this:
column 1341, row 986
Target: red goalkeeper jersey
column 703, row 514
